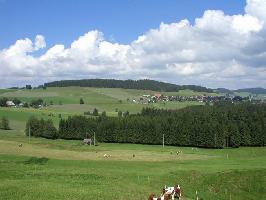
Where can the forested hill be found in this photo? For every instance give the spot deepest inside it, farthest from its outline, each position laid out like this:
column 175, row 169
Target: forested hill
column 127, row 84
column 253, row 90
column 224, row 90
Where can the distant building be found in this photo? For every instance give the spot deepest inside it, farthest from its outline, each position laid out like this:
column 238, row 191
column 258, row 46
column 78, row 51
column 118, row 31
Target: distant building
column 157, row 95
column 10, row 103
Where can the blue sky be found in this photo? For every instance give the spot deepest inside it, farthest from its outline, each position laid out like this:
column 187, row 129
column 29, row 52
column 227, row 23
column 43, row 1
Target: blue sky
column 212, row 43
column 62, row 21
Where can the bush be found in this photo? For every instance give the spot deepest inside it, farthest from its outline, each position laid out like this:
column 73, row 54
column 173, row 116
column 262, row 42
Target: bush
column 26, row 105
column 103, row 114
column 16, row 101
column 3, row 102
column 95, row 112
column 36, row 103
column 4, row 123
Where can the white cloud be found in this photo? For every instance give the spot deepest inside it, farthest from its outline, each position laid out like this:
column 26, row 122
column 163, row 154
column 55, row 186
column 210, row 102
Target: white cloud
column 39, row 42
column 256, row 8
column 217, row 51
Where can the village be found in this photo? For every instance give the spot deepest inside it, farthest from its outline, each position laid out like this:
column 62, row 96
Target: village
column 148, row 99
column 157, row 97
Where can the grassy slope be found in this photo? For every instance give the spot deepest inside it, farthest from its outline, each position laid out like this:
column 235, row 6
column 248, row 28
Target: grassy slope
column 104, row 99
column 190, row 93
column 72, row 171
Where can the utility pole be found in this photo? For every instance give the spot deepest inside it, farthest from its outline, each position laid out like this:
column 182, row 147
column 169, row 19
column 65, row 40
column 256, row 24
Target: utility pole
column 29, row 134
column 215, row 139
column 94, row 138
column 163, row 140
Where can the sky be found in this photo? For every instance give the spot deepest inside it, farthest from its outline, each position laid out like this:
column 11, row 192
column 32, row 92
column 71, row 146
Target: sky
column 219, row 43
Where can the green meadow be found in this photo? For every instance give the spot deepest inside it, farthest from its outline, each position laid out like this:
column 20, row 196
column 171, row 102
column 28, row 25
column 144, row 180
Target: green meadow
column 66, row 100
column 68, row 170
column 58, row 169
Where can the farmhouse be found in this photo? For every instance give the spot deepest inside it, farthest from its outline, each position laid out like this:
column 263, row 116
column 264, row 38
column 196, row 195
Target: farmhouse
column 157, row 95
column 10, row 104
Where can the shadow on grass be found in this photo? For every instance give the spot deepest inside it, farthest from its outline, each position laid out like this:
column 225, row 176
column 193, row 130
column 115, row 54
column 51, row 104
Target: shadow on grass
column 36, row 161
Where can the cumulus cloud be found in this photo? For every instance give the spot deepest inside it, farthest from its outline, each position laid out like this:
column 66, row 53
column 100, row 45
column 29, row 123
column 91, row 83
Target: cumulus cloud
column 217, row 50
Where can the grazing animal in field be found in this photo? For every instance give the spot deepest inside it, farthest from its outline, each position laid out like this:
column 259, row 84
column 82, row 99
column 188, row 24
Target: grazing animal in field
column 163, row 197
column 175, row 192
column 20, row 145
column 178, row 191
column 106, row 155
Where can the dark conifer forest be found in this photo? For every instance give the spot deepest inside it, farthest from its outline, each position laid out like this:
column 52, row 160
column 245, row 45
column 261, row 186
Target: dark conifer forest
column 218, row 126
column 127, row 84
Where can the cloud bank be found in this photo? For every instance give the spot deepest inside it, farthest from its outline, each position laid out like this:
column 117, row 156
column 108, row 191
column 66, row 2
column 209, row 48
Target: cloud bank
column 217, row 50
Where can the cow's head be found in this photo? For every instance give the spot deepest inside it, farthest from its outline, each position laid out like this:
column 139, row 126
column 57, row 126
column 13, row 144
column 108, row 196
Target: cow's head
column 151, row 196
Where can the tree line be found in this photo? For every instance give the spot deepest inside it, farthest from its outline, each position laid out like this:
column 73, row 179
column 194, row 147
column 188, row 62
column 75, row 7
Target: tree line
column 3, row 101
column 41, row 128
column 127, row 84
column 217, row 126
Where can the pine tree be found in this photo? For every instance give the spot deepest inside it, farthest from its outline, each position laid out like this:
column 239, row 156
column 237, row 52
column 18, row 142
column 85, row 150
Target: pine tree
column 81, row 101
column 95, row 112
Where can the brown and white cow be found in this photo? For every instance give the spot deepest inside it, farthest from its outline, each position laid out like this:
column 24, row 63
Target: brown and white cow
column 168, row 193
column 163, row 197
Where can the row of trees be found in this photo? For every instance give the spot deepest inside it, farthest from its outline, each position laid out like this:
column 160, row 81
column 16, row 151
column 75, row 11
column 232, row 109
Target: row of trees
column 95, row 112
column 41, row 128
column 217, row 126
column 127, row 84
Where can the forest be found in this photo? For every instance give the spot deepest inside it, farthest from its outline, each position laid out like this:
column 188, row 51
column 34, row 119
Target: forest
column 218, row 126
column 127, row 84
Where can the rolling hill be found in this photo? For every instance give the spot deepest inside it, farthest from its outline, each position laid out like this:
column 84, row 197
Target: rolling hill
column 127, row 84
column 252, row 90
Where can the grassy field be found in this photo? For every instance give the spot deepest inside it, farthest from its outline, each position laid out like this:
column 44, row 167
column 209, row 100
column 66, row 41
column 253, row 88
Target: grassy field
column 66, row 169
column 58, row 169
column 190, row 93
column 65, row 101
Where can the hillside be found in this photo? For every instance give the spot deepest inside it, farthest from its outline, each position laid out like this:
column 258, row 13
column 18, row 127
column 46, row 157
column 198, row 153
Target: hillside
column 64, row 101
column 252, row 90
column 224, row 91
column 127, row 84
